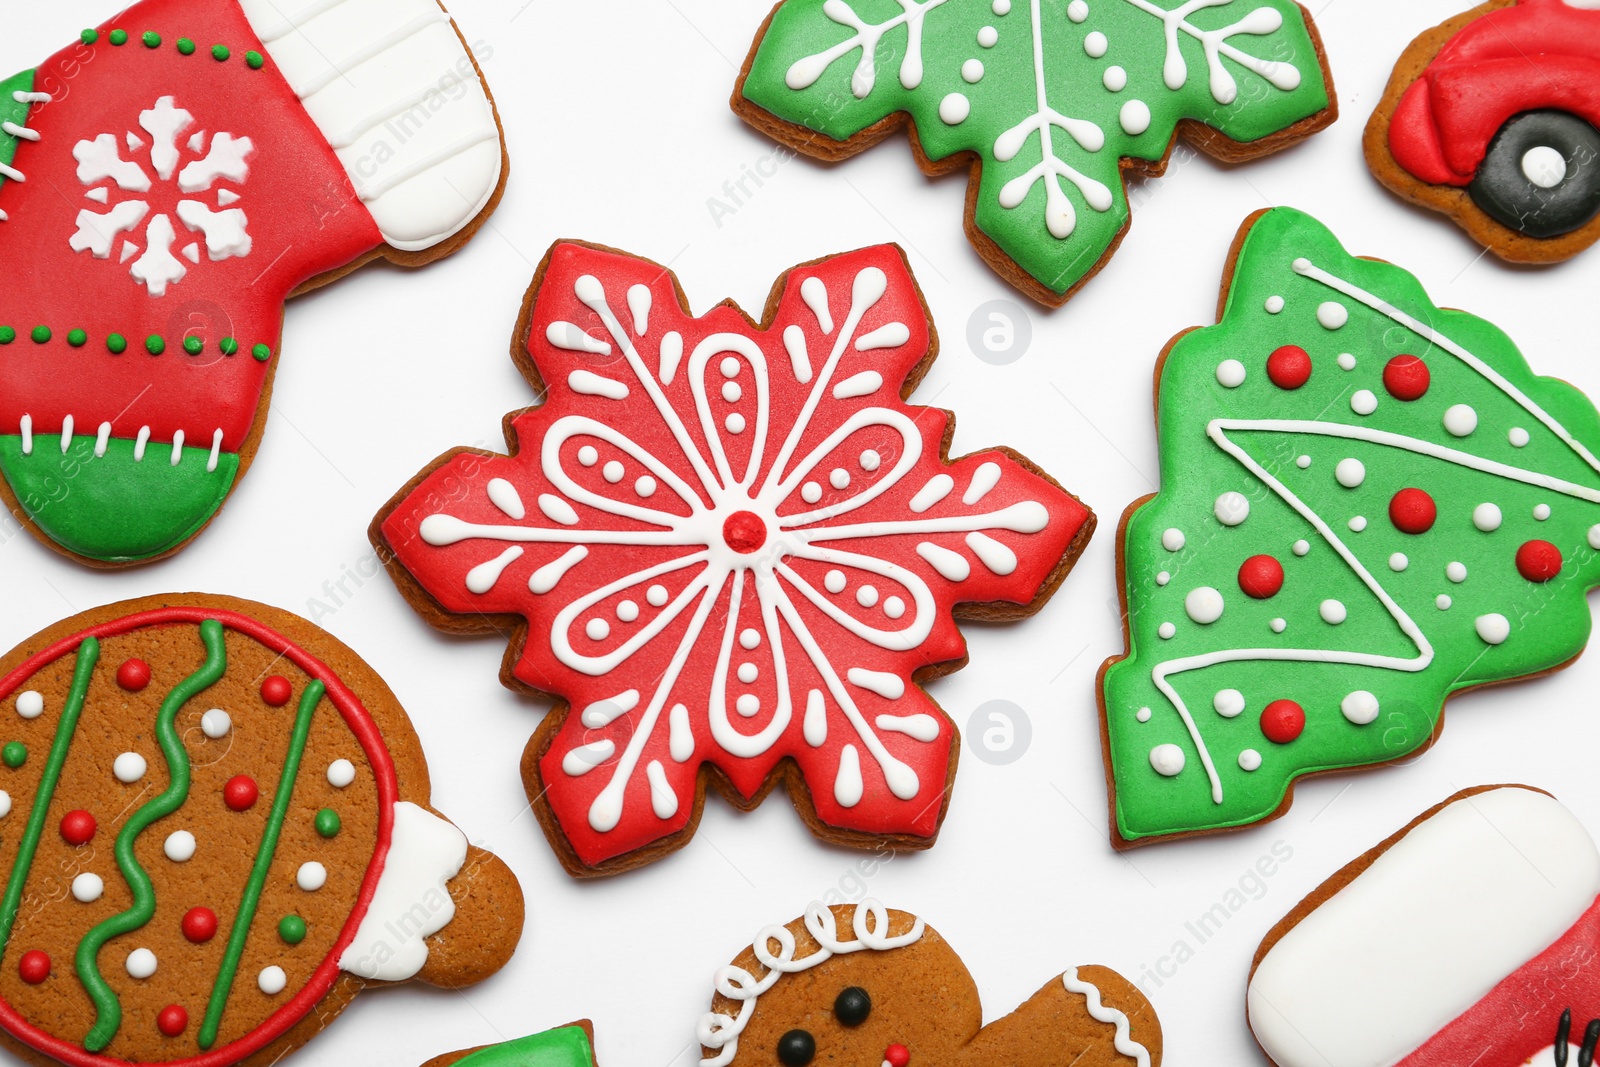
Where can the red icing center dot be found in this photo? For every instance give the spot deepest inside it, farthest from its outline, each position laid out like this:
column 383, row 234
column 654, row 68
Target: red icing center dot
column 1406, row 378
column 897, row 1056
column 1412, row 511
column 200, row 925
column 173, row 1020
column 133, row 675
column 276, row 691
column 1538, row 561
column 744, row 532
column 34, row 967
column 1289, row 367
column 1261, row 577
column 1282, row 721
column 240, row 793
column 77, row 827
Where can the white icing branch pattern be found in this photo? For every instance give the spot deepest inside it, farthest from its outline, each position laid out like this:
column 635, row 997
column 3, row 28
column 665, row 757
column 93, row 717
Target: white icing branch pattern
column 1263, row 21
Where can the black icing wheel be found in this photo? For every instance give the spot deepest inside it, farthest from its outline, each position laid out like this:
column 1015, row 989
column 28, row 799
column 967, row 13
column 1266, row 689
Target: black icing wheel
column 1541, row 176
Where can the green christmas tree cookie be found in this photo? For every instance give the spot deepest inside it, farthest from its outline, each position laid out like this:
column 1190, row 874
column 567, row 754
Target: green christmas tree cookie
column 1048, row 101
column 1369, row 504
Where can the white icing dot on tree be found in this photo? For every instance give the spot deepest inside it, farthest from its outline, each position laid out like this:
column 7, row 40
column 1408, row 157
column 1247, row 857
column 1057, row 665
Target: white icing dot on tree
column 129, row 767
column 179, row 846
column 141, row 963
column 341, row 772
column 1304, row 463
column 1278, row 625
column 1231, row 373
column 1115, row 79
column 988, row 37
column 1249, row 760
column 1300, row 547
column 1168, row 760
column 216, row 723
column 1164, row 577
column 1594, row 537
column 1143, row 714
column 30, row 705
column 1096, row 44
column 1135, row 117
column 1350, row 473
column 1332, row 315
column 972, row 71
column 87, row 888
column 272, row 980
column 1232, row 509
column 1365, row 402
column 1460, row 420
column 1493, row 628
column 1456, row 572
column 1274, row 305
column 1360, row 707
column 1486, row 517
column 1204, row 605
column 1443, row 602
column 311, row 876
column 1333, row 613
column 1359, row 523
column 1229, row 703
column 1541, row 512
column 1173, row 540
column 1398, row 562
column 954, row 109
column 1518, row 437
column 1002, row 7
column 1167, row 631
column 1078, row 10
column 1347, row 361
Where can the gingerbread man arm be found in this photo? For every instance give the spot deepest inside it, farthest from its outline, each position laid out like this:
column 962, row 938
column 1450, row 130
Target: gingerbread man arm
column 1087, row 1017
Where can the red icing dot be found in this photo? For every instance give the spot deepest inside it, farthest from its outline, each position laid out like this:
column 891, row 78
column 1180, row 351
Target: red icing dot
column 276, row 691
column 1406, row 378
column 240, row 793
column 133, row 675
column 34, row 967
column 77, row 827
column 1282, row 721
column 1538, row 561
column 745, row 532
column 1412, row 511
column 897, row 1056
column 1261, row 577
column 200, row 925
column 1289, row 367
column 173, row 1020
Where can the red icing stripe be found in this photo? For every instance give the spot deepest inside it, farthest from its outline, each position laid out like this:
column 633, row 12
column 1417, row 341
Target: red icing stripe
column 1518, row 1017
column 366, row 732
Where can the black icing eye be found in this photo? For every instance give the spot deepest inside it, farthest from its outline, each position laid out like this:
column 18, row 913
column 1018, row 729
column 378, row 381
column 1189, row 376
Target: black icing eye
column 796, row 1048
column 852, row 1006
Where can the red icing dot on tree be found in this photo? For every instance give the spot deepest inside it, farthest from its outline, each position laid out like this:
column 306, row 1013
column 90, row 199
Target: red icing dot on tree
column 133, row 675
column 897, row 1056
column 744, row 532
column 1412, row 511
column 240, row 793
column 1261, row 577
column 1289, row 367
column 77, row 827
column 34, row 967
column 173, row 1020
column 276, row 691
column 1406, row 378
column 1538, row 561
column 1282, row 721
column 200, row 925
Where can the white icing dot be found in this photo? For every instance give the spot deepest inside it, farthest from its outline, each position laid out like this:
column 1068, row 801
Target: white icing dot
column 1493, row 628
column 1398, row 562
column 894, row 607
column 734, row 423
column 1135, row 117
column 1544, row 166
column 749, row 639
column 1365, row 402
column 731, row 392
column 1486, row 517
column 1078, row 10
column 1274, row 305
column 1333, row 613
column 86, row 888
column 1347, row 361
column 1518, row 437
column 1096, row 44
column 311, row 876
column 1232, row 509
column 1116, row 79
column 1350, row 473
column 834, row 581
column 598, row 629
column 1456, row 572
column 1360, row 707
column 1442, row 602
column 954, row 109
column 141, row 963
column 870, row 460
column 5, row 803
column 1541, row 511
column 627, row 611
column 1204, row 605
column 272, row 980
column 341, row 772
column 1304, row 462
column 972, row 71
column 30, row 705
column 645, row 486
column 129, row 767
column 613, row 472
column 1143, row 714
column 216, row 723
column 1249, row 760
column 1173, row 540
column 1164, row 577
column 747, row 705
column 1229, row 703
column 1278, row 626
column 1002, row 7
column 840, row 478
column 866, row 596
column 988, row 37
column 179, row 846
column 811, row 492
column 730, row 367
column 1332, row 315
column 1167, row 631
column 1231, row 373
column 1358, row 523
column 588, row 455
column 1594, row 537
column 657, row 596
column 1168, row 760
column 1460, row 420
column 1301, row 547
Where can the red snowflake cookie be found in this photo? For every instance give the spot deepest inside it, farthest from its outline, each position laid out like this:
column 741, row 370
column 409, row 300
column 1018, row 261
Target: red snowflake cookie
column 733, row 546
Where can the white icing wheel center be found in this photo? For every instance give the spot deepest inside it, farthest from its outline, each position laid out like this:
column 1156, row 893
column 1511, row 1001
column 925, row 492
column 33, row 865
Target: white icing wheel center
column 1544, row 166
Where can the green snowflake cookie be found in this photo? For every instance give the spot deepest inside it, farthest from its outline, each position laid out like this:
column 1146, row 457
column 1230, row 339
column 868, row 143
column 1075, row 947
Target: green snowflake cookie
column 1049, row 101
column 1369, row 504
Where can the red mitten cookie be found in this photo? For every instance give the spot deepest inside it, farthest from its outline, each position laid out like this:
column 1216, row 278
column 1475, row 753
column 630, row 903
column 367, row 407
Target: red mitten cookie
column 733, row 549
column 215, row 832
column 1467, row 938
column 165, row 185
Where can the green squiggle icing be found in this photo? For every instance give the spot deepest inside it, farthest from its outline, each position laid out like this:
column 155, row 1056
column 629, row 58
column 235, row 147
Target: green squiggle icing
column 566, row 1047
column 88, row 656
column 108, row 1009
column 258, row 874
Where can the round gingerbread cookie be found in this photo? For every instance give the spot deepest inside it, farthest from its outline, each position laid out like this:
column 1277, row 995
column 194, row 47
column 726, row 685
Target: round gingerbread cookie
column 218, row 833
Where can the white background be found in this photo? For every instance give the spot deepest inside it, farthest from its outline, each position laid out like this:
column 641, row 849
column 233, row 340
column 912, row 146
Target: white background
column 619, row 130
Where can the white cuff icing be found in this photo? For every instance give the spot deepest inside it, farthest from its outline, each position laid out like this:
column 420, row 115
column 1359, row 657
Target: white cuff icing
column 412, row 900
column 392, row 89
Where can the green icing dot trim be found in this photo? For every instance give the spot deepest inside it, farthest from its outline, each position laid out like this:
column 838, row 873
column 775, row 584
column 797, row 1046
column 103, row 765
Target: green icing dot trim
column 7, row 335
column 108, row 1009
column 151, row 39
column 15, row 754
column 186, row 46
column 193, row 345
column 292, row 929
column 41, row 335
column 263, row 866
column 89, row 36
column 155, row 345
column 117, row 344
column 77, row 338
column 327, row 822
column 255, row 59
column 229, row 346
column 220, row 53
column 119, row 37
column 262, row 353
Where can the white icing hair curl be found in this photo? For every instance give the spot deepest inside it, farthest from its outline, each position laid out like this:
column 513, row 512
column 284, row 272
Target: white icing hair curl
column 721, row 1032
